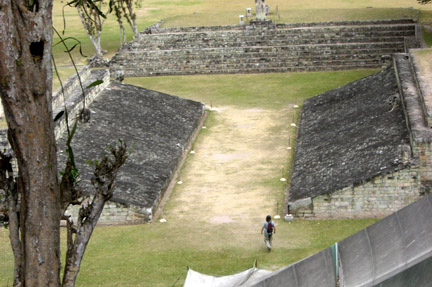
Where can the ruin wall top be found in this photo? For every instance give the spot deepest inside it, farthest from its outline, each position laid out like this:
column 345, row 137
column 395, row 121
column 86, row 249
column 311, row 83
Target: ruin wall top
column 157, row 30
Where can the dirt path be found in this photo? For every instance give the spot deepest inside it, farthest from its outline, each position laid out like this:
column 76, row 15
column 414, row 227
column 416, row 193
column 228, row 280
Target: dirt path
column 232, row 178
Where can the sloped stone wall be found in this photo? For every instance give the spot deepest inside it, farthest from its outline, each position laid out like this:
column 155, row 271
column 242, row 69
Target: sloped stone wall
column 381, row 188
column 158, row 128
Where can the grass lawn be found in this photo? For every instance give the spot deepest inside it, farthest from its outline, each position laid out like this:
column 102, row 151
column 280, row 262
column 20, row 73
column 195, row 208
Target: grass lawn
column 157, row 254
column 250, row 90
column 427, row 34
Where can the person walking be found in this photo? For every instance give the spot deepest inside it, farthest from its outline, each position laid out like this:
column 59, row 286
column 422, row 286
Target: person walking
column 269, row 229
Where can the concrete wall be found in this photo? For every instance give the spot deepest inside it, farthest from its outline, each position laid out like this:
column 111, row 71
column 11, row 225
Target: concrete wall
column 378, row 197
column 316, row 270
column 388, row 247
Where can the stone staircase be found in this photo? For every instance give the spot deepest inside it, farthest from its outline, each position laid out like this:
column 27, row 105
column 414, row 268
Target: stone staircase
column 263, row 48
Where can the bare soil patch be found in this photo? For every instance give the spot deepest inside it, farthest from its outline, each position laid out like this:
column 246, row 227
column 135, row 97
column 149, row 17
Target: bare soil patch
column 225, row 181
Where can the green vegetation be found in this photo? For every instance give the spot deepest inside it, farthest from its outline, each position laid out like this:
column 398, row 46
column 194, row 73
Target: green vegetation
column 157, row 254
column 250, row 90
column 427, row 34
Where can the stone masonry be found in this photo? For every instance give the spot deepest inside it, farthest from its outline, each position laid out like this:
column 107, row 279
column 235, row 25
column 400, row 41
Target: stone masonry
column 258, row 48
column 368, row 185
column 158, row 129
column 378, row 197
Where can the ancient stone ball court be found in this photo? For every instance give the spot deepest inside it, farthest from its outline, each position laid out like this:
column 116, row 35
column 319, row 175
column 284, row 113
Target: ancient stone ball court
column 356, row 152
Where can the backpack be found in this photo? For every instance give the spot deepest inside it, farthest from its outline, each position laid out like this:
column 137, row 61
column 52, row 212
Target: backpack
column 270, row 228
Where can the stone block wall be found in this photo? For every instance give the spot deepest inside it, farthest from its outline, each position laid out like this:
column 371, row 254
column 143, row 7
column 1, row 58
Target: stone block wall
column 73, row 92
column 259, row 49
column 378, row 197
column 71, row 84
column 115, row 213
column 424, row 152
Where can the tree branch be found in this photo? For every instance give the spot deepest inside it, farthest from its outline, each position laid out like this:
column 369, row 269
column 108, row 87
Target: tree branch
column 7, row 183
column 103, row 182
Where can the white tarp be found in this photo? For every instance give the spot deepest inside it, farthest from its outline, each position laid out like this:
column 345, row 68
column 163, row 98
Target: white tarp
column 243, row 279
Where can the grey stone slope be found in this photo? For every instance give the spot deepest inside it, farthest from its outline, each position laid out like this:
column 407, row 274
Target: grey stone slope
column 157, row 128
column 349, row 135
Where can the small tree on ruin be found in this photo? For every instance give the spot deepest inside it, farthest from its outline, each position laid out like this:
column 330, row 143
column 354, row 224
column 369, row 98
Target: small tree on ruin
column 92, row 18
column 124, row 9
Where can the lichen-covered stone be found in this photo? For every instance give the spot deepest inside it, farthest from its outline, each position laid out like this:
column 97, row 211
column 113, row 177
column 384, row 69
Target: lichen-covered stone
column 157, row 128
column 262, row 47
column 350, row 135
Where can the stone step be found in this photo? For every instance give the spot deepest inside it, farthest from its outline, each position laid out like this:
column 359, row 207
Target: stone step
column 252, row 70
column 300, row 49
column 286, row 25
column 262, row 43
column 260, row 56
column 255, row 57
column 290, row 29
column 296, row 62
column 263, row 67
column 206, row 41
column 304, row 32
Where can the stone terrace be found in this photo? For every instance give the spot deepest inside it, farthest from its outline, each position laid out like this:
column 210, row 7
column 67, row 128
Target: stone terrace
column 158, row 129
column 263, row 48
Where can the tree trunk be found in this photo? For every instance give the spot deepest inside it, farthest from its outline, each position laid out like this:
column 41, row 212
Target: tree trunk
column 132, row 17
column 77, row 247
column 25, row 87
column 92, row 30
column 103, row 181
column 123, row 40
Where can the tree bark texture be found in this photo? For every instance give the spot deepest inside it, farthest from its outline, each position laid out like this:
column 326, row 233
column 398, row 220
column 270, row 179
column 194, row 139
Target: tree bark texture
column 25, row 88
